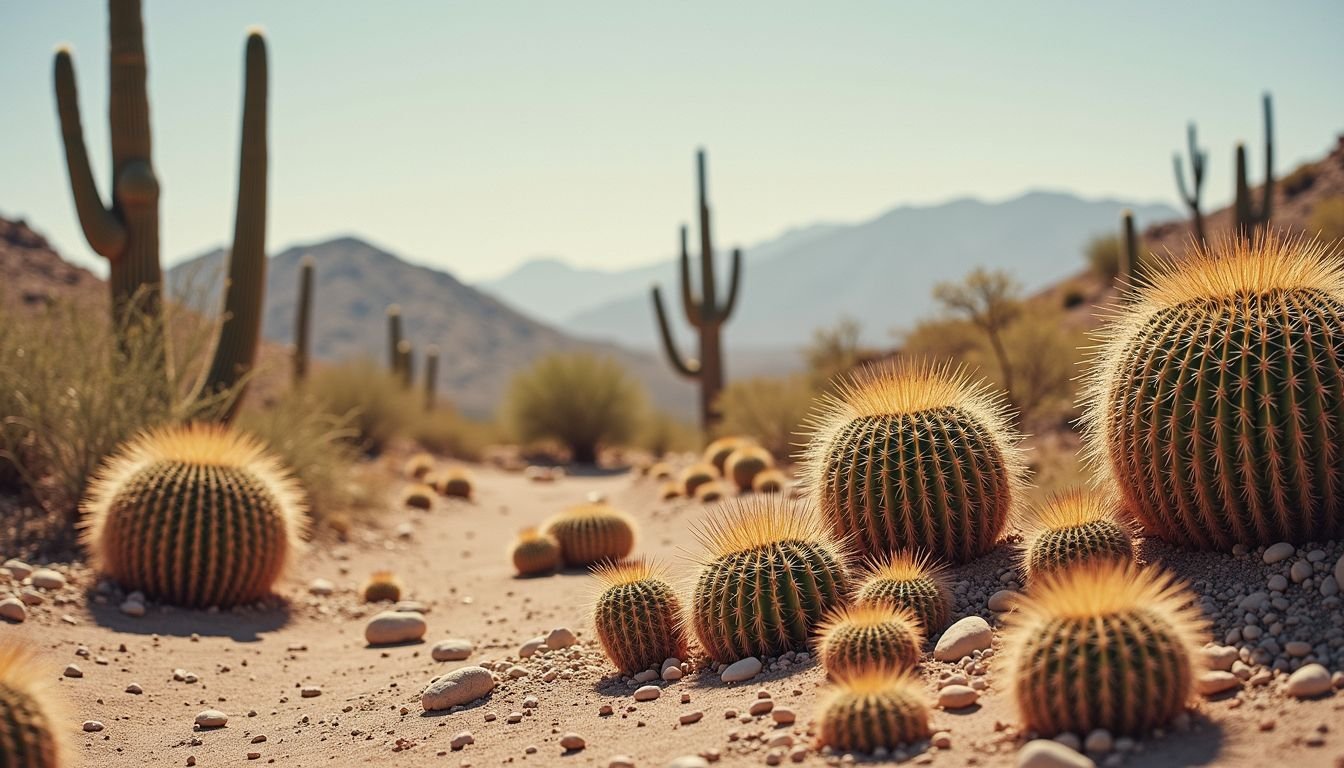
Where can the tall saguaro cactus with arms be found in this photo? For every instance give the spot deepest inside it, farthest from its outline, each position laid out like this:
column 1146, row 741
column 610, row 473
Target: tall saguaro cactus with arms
column 126, row 233
column 707, row 312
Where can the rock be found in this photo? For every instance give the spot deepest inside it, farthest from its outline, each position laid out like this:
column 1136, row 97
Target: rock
column 1002, row 600
column 1044, row 753
column 73, row 670
column 459, row 687
column 391, row 627
column 560, row 637
column 761, row 707
column 648, row 693
column 461, row 740
column 647, row 676
column 11, row 609
column 1277, row 583
column 134, row 688
column 31, row 596
column 516, row 672
column 1099, row 742
column 1300, row 571
column 743, row 669
column 783, row 715
column 321, row 587
column 1216, row 681
column 672, row 674
column 1339, row 572
column 310, row 691
column 621, row 761
column 1297, row 648
column 530, row 647
column 941, row 740
column 1310, row 680
column 212, row 718
column 133, row 608
column 1220, row 657
column 1278, row 552
column 970, row 634
column 691, row 717
column 18, row 569
column 957, row 697
column 572, row 741
column 452, row 649
column 92, row 726
column 45, row 578
column 689, row 761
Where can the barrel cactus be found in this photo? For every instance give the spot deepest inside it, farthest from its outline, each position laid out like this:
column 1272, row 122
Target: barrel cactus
column 770, row 481
column 661, row 471
column 911, row 454
column 382, row 587
column 1071, row 527
column 591, row 533
column 669, row 491
column 1217, row 396
column 910, row 581
column 454, row 483
column 418, row 496
column 535, row 553
column 853, row 638
column 30, row 716
column 196, row 516
column 418, row 466
column 712, row 492
column 1103, row 645
column 745, row 463
column 770, row 573
column 717, row 452
column 638, row 616
column 871, row 709
column 695, row 476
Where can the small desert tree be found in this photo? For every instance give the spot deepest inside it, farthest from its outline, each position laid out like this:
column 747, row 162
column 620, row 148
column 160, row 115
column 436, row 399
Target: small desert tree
column 1327, row 220
column 991, row 301
column 834, row 351
column 772, row 410
column 579, row 399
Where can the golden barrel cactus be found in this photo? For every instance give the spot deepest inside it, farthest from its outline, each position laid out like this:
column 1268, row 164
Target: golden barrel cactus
column 853, row 638
column 770, row 481
column 196, row 516
column 31, row 717
column 873, row 708
column 591, row 533
column 745, row 463
column 382, row 587
column 638, row 616
column 717, row 452
column 535, row 553
column 915, row 455
column 1071, row 527
column 910, row 581
column 696, row 475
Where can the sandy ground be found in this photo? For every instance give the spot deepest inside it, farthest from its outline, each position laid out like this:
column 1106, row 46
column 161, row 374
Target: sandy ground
column 253, row 664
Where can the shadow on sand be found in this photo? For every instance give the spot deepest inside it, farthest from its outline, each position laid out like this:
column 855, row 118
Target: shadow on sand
column 244, row 626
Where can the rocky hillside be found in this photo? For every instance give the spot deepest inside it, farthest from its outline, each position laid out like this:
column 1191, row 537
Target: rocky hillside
column 32, row 274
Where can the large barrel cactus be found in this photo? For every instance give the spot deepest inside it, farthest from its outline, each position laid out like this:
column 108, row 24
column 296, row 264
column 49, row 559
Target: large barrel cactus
column 30, row 716
column 638, row 616
column 1103, row 645
column 915, row 455
column 196, row 516
column 1217, row 397
column 770, row 574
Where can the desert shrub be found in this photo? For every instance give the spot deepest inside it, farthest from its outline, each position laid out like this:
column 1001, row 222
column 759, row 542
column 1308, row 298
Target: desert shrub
column 446, row 432
column 833, row 352
column 1327, row 218
column 379, row 407
column 771, row 410
column 1300, row 180
column 662, row 433
column 1103, row 256
column 1073, row 297
column 579, row 399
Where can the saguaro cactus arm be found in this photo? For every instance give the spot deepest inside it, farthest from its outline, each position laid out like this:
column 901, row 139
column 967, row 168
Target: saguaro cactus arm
column 1267, row 203
column 1248, row 218
column 687, row 368
column 1191, row 196
column 105, row 233
column 688, row 300
column 726, row 309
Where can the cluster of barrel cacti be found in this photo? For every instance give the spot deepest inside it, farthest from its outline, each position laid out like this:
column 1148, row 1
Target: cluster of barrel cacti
column 31, row 717
column 728, row 467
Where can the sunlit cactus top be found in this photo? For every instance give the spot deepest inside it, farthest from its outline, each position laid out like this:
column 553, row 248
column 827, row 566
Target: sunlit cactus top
column 1074, row 526
column 32, row 719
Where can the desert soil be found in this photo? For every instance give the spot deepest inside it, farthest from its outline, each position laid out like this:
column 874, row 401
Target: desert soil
column 254, row 664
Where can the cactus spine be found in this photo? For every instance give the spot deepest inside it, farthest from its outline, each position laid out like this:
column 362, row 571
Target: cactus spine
column 876, row 708
column 196, row 516
column 1216, row 399
column 431, row 376
column 303, row 320
column 911, row 454
column 29, row 715
column 1192, row 194
column 1103, row 645
column 1072, row 527
column 535, row 553
column 852, row 639
column 591, row 533
column 638, row 616
column 770, row 573
column 909, row 581
column 745, row 463
column 707, row 313
column 1249, row 219
column 126, row 233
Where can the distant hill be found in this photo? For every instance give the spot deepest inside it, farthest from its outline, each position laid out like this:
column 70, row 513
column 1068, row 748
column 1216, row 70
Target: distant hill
column 482, row 341
column 880, row 271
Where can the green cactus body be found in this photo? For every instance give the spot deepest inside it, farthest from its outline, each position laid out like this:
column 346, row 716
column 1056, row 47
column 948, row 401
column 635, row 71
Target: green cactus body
column 195, row 516
column 419, row 496
column 873, row 709
column 1072, row 527
column 915, row 455
column 1103, row 645
column 745, row 463
column 697, row 475
column 770, row 574
column 854, row 638
column 29, row 715
column 535, row 554
column 1217, row 398
column 769, row 481
column 638, row 617
column 911, row 582
column 394, row 338
column 591, row 533
column 303, row 316
column 382, row 587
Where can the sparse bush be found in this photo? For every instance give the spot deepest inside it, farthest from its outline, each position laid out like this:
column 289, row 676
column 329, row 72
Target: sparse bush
column 834, row 352
column 582, row 400
column 1103, row 256
column 1300, row 180
column 1328, row 219
column 772, row 410
column 663, row 433
column 1073, row 297
column 374, row 401
column 445, row 432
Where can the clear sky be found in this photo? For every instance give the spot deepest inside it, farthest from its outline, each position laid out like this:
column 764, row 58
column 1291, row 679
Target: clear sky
column 474, row 136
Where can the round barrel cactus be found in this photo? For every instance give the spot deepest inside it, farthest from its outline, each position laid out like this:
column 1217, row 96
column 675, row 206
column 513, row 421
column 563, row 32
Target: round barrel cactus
column 770, row 481
column 853, row 638
column 1071, row 527
column 30, row 716
column 638, row 616
column 195, row 516
column 718, row 451
column 745, row 463
column 1103, row 645
column 915, row 455
column 873, row 708
column 697, row 475
column 1217, row 397
column 382, row 587
column 591, row 533
column 770, row 573
column 910, row 581
column 535, row 553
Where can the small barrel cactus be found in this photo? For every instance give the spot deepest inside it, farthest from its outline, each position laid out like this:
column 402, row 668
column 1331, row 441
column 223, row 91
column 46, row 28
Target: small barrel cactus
column 1103, row 645
column 535, row 553
column 853, row 638
column 770, row 573
column 712, row 492
column 871, row 709
column 1071, row 527
column 909, row 581
column 669, row 491
column 745, row 463
column 419, row 465
column 418, row 496
column 770, row 481
column 912, row 454
column 717, row 453
column 30, row 716
column 697, row 475
column 662, row 471
column 1217, row 397
column 591, row 533
column 195, row 516
column 638, row 616
column 453, row 483
column 382, row 587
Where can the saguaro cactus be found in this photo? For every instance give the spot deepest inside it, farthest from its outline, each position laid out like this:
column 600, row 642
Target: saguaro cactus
column 405, row 363
column 1129, row 248
column 707, row 313
column 394, row 337
column 1191, row 195
column 431, row 376
column 303, row 319
column 127, row 231
column 1249, row 218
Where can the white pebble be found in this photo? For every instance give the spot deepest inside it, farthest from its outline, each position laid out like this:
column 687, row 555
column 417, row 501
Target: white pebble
column 321, row 587
column 1002, row 600
column 744, row 669
column 212, row 718
column 648, row 693
column 957, row 697
column 961, row 639
column 461, row 686
column 1300, row 571
column 133, row 608
column 672, row 673
column 1216, row 681
column 461, row 740
column 560, row 637
column 530, row 647
column 17, row 568
column 391, row 627
column 46, row 578
column 452, row 649
column 11, row 609
column 1278, row 552
column 1044, row 753
column 1310, row 680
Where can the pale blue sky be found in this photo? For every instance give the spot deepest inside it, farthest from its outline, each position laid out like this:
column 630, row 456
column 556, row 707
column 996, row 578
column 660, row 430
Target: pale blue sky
column 474, row 136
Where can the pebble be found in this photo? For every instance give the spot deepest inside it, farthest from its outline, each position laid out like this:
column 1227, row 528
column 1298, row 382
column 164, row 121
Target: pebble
column 45, row 578
column 133, row 608
column 1099, row 742
column 135, row 689
column 452, row 649
column 459, row 687
column 1002, row 600
column 648, row 693
column 691, row 717
column 761, row 707
column 672, row 674
column 391, row 627
column 530, row 647
column 1339, row 572
column 11, row 608
column 560, row 637
column 1297, row 648
column 31, row 596
column 1310, row 680
column 1278, row 552
column 212, row 718
column 957, row 697
column 1045, row 753
column 961, row 639
column 18, row 569
column 744, row 669
column 1220, row 657
column 461, row 740
column 1300, row 571
column 646, row 676
column 92, row 726
column 321, row 587
column 572, row 741
column 1277, row 583
column 310, row 691
column 783, row 715
column 73, row 670
column 621, row 761
column 1216, row 681
column 689, row 761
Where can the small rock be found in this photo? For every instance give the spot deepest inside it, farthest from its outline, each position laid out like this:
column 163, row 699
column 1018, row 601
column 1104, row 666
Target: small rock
column 461, row 740
column 1339, row 572
column 689, row 761
column 1216, row 681
column 452, row 649
column 92, row 726
column 1220, row 657
column 1300, row 571
column 1297, row 648
column 783, row 715
column 212, row 718
column 517, row 672
column 1278, row 552
column 961, row 639
column 1099, row 742
column 46, row 578
column 560, row 637
column 1002, row 600
column 691, row 717
column 11, row 609
column 18, row 569
column 459, row 687
column 647, row 676
column 744, row 669
column 760, row 707
column 672, row 674
column 310, row 691
column 321, row 587
column 133, row 608
column 1310, row 680
column 73, row 670
column 1277, row 583
column 648, row 693
column 941, row 739
column 390, row 627
column 134, row 689
column 530, row 647
column 572, row 741
column 957, row 697
column 621, row 761
column 1045, row 753
column 31, row 596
